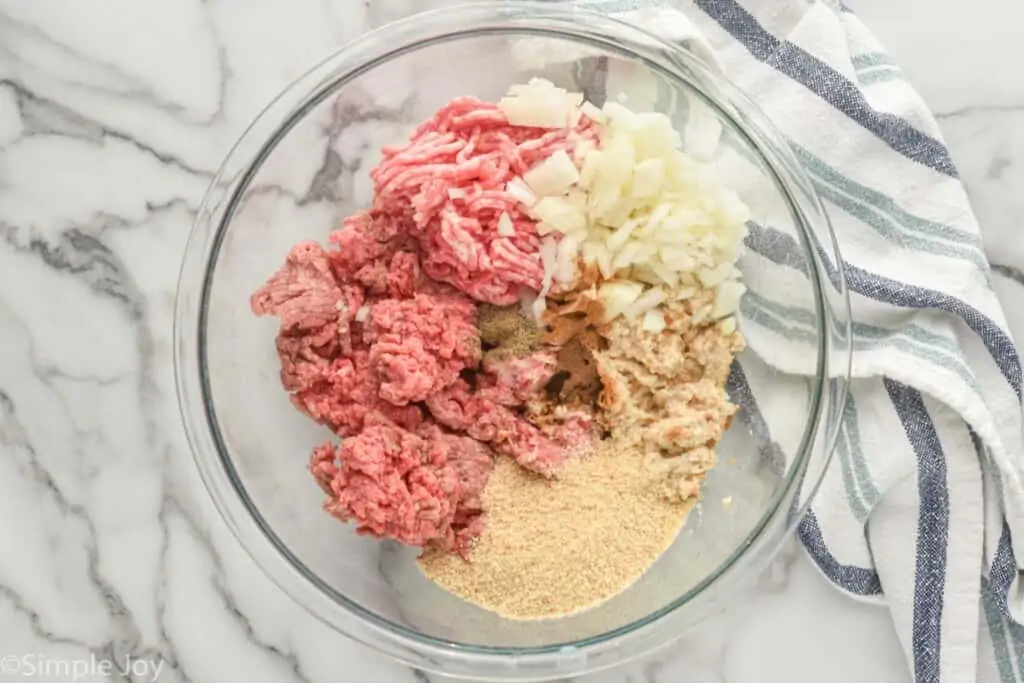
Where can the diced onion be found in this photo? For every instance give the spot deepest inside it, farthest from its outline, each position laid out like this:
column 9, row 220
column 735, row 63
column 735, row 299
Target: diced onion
column 505, row 226
column 646, row 301
column 654, row 321
column 589, row 170
column 648, row 177
column 619, row 238
column 618, row 295
column 552, row 177
column 592, row 112
column 548, row 254
column 657, row 222
column 520, row 192
column 565, row 260
column 560, row 214
column 541, row 104
column 727, row 298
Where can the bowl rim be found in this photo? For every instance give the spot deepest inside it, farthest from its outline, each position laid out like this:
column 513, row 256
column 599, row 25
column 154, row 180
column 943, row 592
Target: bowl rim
column 222, row 481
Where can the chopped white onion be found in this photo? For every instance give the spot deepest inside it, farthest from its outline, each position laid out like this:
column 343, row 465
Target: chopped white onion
column 520, row 192
column 625, row 257
column 604, row 262
column 592, row 112
column 560, row 214
column 552, row 177
column 541, row 104
column 648, row 300
column 619, row 238
column 539, row 305
column 727, row 298
column 548, row 254
column 505, row 225
column 656, row 221
column 565, row 260
column 654, row 321
column 618, row 295
column 648, row 177
column 591, row 163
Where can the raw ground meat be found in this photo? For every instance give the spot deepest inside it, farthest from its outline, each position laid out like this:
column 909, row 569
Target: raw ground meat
column 514, row 381
column 449, row 183
column 415, row 487
column 346, row 394
column 326, row 364
column 487, row 414
column 377, row 331
column 420, row 345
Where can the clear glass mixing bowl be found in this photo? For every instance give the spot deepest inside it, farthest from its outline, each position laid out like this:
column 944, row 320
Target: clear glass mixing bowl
column 303, row 164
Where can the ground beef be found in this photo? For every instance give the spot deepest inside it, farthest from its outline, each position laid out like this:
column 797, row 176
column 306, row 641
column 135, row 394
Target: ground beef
column 365, row 239
column 415, row 487
column 449, row 182
column 378, row 332
column 326, row 364
column 420, row 345
column 488, row 414
column 346, row 394
column 514, row 381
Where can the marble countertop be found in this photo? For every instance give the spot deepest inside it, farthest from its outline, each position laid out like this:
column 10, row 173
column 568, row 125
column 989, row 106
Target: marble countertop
column 113, row 117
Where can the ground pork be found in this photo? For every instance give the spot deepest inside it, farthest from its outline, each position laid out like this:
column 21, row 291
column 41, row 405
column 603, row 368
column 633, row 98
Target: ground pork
column 417, row 487
column 448, row 182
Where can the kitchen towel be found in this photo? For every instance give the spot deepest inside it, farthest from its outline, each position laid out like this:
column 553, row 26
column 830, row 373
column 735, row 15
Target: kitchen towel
column 922, row 509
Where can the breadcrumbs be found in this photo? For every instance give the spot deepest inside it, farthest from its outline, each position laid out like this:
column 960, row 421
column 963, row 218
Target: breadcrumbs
column 551, row 548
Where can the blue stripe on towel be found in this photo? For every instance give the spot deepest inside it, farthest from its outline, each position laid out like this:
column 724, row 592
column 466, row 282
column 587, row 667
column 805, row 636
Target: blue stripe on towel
column 829, row 85
column 853, row 579
column 856, row 580
column 998, row 343
column 740, row 393
column 782, row 249
column 932, row 528
column 1003, row 571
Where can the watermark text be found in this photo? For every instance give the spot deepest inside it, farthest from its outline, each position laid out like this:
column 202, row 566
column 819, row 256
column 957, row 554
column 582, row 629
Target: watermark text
column 31, row 665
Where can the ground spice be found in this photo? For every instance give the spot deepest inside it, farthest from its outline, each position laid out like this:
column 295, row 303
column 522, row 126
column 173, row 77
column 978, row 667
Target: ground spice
column 551, row 548
column 506, row 331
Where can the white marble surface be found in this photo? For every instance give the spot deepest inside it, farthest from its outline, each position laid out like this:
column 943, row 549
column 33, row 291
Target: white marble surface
column 113, row 116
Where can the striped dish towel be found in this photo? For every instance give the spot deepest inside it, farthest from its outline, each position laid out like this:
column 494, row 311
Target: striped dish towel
column 923, row 504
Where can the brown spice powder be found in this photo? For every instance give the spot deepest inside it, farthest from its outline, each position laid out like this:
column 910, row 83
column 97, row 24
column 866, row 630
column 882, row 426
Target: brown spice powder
column 507, row 330
column 555, row 547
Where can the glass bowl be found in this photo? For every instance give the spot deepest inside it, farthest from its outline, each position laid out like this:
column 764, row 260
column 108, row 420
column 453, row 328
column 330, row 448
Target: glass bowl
column 303, row 164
